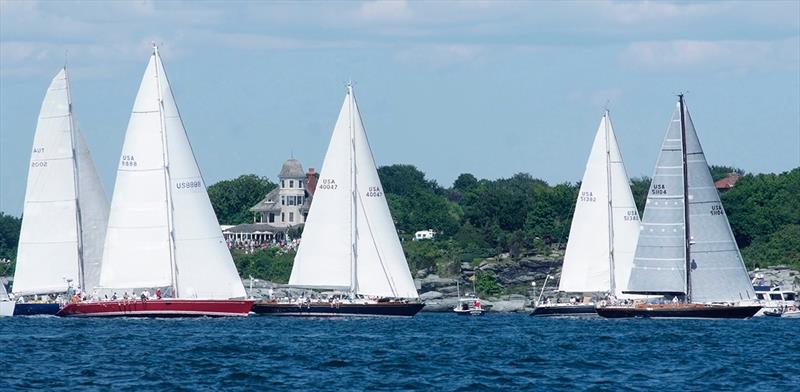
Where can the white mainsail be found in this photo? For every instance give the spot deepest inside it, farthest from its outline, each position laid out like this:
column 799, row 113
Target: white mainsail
column 349, row 241
column 605, row 225
column 162, row 230
column 717, row 269
column 66, row 210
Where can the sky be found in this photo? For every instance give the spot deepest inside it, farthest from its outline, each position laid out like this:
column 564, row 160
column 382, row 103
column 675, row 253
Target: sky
column 491, row 88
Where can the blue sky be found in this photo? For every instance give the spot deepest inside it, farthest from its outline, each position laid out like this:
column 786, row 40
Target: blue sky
column 491, row 88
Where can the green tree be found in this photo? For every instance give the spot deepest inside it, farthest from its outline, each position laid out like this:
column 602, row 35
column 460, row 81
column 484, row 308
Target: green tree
column 640, row 187
column 780, row 247
column 762, row 204
column 232, row 199
column 273, row 264
column 9, row 238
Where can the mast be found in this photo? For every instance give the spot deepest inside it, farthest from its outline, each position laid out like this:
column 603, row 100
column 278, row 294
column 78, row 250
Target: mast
column 687, row 234
column 76, row 184
column 167, row 180
column 612, row 281
column 353, row 196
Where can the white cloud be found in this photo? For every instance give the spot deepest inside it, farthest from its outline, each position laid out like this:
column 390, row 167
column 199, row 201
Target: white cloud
column 737, row 56
column 441, row 55
column 384, row 11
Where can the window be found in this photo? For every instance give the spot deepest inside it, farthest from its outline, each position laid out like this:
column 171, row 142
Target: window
column 291, row 217
column 271, row 218
column 776, row 297
column 300, row 183
column 788, row 296
column 760, row 296
column 283, row 200
column 283, row 184
column 283, row 217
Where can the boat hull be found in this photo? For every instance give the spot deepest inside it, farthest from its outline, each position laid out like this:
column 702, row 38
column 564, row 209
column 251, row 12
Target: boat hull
column 159, row 308
column 7, row 308
column 564, row 310
column 34, row 309
column 381, row 309
column 671, row 311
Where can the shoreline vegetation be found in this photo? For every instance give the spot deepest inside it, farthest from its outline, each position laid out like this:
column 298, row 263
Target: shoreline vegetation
column 506, row 232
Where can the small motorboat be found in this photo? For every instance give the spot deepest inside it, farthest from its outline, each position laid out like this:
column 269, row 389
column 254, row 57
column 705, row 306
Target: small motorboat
column 469, row 306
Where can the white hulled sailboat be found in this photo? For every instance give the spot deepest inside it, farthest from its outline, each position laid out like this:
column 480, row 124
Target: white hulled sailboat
column 349, row 242
column 686, row 250
column 162, row 231
column 66, row 210
column 604, row 231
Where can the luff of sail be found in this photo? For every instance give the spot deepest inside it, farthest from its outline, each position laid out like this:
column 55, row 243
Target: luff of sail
column 717, row 270
column 349, row 241
column 65, row 212
column 162, row 229
column 605, row 225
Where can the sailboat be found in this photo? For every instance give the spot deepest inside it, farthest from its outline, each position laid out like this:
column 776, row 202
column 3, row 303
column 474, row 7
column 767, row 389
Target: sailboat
column 349, row 243
column 65, row 213
column 162, row 232
column 686, row 251
column 604, row 231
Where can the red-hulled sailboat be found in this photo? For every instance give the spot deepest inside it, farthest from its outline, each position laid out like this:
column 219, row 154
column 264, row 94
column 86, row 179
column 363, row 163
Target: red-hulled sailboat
column 162, row 233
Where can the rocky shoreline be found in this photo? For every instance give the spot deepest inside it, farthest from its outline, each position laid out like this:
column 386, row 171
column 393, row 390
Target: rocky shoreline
column 440, row 294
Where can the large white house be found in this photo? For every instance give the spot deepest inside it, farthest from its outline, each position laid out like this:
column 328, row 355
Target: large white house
column 283, row 208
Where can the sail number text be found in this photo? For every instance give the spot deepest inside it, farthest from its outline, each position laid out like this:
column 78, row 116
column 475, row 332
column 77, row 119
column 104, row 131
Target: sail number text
column 717, row 210
column 128, row 161
column 328, row 183
column 374, row 191
column 658, row 189
column 631, row 215
column 189, row 184
column 587, row 196
column 39, row 164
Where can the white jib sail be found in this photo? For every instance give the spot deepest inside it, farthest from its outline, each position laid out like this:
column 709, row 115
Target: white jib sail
column 160, row 210
column 349, row 240
column 605, row 224
column 718, row 270
column 49, row 248
column 382, row 269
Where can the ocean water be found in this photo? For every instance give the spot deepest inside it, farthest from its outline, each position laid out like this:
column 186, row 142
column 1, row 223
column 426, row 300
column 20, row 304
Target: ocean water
column 436, row 352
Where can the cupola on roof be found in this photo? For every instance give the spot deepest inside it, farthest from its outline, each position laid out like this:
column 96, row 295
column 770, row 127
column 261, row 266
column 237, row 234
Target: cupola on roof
column 292, row 169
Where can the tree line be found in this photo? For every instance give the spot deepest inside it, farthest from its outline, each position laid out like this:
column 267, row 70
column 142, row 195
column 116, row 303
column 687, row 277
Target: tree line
column 518, row 216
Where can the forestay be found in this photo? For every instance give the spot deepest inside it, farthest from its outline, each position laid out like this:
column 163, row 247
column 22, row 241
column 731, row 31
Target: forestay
column 49, row 252
column 162, row 225
column 605, row 225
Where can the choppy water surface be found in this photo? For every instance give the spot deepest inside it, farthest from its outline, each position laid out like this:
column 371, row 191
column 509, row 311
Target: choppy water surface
column 442, row 352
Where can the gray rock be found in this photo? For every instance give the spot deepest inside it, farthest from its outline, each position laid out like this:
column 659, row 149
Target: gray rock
column 430, row 295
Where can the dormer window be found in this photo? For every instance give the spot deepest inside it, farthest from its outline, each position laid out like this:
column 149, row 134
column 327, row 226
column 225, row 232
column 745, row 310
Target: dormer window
column 291, row 183
column 283, row 184
column 300, row 183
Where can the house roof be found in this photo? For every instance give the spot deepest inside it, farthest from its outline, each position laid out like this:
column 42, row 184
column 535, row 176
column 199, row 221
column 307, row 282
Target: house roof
column 292, row 169
column 728, row 182
column 260, row 228
column 269, row 203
